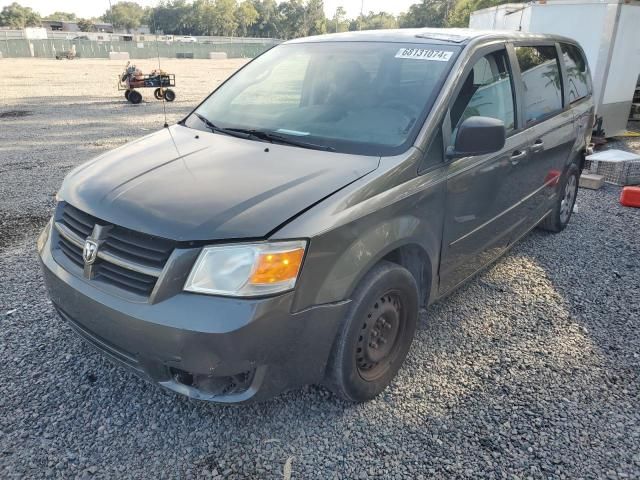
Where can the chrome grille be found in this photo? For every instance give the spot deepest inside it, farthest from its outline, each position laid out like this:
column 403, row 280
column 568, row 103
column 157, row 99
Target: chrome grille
column 79, row 222
column 123, row 278
column 128, row 260
column 72, row 251
column 139, row 248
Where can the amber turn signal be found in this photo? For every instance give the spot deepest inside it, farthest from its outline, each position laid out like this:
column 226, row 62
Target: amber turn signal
column 276, row 267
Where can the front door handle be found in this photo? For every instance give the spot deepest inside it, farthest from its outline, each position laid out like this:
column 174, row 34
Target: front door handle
column 517, row 156
column 537, row 146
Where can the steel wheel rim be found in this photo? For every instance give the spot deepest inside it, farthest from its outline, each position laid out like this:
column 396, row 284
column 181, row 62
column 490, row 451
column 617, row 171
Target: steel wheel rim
column 566, row 204
column 379, row 338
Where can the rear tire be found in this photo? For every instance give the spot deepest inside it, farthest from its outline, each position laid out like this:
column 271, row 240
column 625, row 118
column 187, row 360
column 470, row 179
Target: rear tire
column 158, row 93
column 169, row 95
column 375, row 335
column 559, row 217
column 126, row 94
column 135, row 97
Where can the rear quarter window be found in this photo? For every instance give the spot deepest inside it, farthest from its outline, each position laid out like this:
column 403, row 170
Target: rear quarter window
column 578, row 77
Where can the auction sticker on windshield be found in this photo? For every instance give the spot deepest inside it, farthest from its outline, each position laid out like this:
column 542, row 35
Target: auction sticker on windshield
column 424, row 54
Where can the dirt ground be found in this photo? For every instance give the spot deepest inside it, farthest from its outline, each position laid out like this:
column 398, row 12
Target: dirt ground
column 28, row 78
column 68, row 111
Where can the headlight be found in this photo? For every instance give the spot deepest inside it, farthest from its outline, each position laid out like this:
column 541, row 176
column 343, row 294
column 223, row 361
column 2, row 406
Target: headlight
column 247, row 270
column 44, row 235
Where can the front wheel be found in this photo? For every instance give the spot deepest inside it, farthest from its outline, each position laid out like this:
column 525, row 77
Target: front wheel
column 375, row 335
column 559, row 217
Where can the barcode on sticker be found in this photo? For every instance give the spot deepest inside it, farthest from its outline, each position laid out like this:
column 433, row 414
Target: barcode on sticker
column 424, row 54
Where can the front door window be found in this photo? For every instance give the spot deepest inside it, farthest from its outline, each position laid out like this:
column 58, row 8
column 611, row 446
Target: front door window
column 487, row 91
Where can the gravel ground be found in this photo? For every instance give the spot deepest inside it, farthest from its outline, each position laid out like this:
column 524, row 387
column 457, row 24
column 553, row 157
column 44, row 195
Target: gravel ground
column 631, row 144
column 530, row 370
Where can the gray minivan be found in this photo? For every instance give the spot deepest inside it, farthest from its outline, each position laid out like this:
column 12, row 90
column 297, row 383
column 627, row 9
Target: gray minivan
column 289, row 229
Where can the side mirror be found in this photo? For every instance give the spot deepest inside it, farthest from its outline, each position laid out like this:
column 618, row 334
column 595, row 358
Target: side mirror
column 478, row 136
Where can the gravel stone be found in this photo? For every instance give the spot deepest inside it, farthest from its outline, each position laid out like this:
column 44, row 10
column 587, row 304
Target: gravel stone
column 530, row 370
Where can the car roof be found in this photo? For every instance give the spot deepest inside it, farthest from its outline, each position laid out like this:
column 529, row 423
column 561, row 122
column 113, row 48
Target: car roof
column 460, row 36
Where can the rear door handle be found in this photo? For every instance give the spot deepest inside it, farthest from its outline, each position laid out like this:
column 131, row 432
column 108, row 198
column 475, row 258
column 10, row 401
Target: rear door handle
column 517, row 156
column 537, row 146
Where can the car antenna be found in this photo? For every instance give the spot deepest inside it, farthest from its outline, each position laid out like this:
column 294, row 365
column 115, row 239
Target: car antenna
column 164, row 102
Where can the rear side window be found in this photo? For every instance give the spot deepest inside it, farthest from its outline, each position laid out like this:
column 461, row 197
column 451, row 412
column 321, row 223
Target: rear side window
column 578, row 78
column 486, row 92
column 542, row 81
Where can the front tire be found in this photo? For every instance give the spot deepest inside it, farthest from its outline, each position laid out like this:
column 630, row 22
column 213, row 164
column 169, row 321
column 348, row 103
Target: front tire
column 559, row 217
column 376, row 334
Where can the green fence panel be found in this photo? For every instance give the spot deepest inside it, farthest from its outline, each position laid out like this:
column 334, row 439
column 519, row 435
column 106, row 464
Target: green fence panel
column 15, row 48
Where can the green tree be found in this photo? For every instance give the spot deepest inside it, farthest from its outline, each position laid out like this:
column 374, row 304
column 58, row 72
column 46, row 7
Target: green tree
column 17, row 16
column 172, row 17
column 315, row 19
column 428, row 13
column 339, row 22
column 246, row 16
column 293, row 16
column 125, row 15
column 203, row 18
column 85, row 25
column 378, row 21
column 61, row 16
column 301, row 19
column 268, row 23
column 224, row 18
column 459, row 15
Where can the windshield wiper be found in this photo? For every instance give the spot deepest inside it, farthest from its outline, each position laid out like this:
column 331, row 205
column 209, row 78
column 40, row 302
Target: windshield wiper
column 214, row 128
column 276, row 138
column 262, row 135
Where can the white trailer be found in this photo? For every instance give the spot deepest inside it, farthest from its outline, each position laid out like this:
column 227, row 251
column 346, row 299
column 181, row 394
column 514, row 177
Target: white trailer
column 607, row 30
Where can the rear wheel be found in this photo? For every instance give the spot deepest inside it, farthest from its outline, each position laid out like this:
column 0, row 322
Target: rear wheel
column 135, row 97
column 376, row 334
column 158, row 93
column 559, row 217
column 169, row 95
column 126, row 94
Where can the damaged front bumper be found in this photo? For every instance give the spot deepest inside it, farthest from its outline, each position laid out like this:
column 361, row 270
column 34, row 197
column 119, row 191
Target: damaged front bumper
column 211, row 348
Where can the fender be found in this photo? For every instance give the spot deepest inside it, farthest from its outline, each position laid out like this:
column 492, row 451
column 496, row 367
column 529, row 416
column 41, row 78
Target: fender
column 412, row 219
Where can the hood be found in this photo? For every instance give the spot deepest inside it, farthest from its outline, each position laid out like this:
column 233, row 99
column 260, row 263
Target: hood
column 185, row 184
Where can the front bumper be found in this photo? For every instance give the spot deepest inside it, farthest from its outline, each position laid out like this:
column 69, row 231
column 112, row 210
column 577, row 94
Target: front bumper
column 211, row 348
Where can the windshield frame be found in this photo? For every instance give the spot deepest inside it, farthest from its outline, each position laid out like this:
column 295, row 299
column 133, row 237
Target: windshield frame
column 346, row 146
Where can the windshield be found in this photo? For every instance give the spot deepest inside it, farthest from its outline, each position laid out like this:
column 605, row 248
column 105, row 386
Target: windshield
column 356, row 97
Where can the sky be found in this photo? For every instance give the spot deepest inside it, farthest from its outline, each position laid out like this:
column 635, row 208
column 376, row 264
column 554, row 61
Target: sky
column 94, row 8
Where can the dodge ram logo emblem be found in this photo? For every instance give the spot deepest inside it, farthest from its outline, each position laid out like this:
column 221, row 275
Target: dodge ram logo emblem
column 89, row 252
